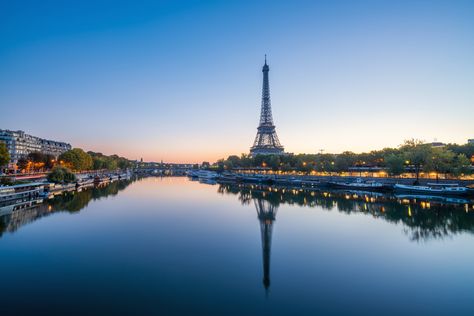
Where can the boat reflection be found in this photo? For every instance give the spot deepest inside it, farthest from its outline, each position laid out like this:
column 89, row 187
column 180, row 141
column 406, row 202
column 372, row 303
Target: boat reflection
column 423, row 217
column 15, row 215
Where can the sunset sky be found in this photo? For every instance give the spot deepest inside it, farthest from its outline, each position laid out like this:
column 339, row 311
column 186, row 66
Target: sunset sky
column 181, row 80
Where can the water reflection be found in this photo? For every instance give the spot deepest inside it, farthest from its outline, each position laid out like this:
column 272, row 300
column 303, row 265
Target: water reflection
column 423, row 218
column 266, row 215
column 22, row 212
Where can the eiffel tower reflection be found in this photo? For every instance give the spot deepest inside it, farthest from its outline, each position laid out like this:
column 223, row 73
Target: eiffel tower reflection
column 266, row 212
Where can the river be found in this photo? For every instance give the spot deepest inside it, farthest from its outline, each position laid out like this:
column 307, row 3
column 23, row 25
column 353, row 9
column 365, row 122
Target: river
column 172, row 246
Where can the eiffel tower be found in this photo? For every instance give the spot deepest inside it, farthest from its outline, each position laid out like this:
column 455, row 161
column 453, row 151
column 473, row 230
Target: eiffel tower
column 266, row 142
column 266, row 212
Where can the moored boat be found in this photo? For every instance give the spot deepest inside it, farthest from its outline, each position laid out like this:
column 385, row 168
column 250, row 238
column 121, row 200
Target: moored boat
column 434, row 188
column 359, row 184
column 256, row 178
column 21, row 191
column 202, row 174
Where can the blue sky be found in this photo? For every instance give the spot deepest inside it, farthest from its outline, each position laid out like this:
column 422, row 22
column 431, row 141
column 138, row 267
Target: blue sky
column 181, row 80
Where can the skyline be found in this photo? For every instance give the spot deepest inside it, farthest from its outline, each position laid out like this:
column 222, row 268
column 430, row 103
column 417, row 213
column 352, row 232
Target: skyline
column 181, row 81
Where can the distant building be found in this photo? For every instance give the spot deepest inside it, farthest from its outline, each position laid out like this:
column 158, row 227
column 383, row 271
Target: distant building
column 20, row 144
column 437, row 144
column 470, row 141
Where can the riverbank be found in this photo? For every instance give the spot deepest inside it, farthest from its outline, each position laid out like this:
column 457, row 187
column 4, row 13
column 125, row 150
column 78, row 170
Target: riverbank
column 42, row 189
column 463, row 188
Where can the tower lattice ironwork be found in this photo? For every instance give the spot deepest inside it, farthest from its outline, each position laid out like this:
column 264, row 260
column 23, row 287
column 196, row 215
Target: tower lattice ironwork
column 266, row 142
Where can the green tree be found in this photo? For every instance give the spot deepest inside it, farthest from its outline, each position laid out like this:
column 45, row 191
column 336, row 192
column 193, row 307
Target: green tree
column 77, row 159
column 4, row 154
column 35, row 156
column 461, row 165
column 416, row 154
column 441, row 160
column 61, row 174
column 123, row 163
column 22, row 164
column 395, row 164
column 344, row 161
column 274, row 162
column 97, row 163
column 110, row 163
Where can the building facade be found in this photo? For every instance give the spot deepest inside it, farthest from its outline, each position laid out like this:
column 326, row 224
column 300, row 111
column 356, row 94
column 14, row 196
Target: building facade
column 20, row 144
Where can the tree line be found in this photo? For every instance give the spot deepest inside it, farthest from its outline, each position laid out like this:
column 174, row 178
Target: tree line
column 413, row 156
column 79, row 160
column 75, row 159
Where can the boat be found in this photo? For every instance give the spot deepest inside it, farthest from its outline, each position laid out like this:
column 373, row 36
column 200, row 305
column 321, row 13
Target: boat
column 9, row 208
column 359, row 184
column 21, row 191
column 227, row 177
column 202, row 174
column 434, row 189
column 192, row 173
column 434, row 198
column 256, row 178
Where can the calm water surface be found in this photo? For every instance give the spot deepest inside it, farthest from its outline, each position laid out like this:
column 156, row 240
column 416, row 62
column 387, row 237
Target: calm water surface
column 171, row 246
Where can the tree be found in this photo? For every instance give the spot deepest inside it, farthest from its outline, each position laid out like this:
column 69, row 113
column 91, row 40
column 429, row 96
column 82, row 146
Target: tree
column 344, row 161
column 77, row 159
column 110, row 163
column 416, row 154
column 274, row 162
column 232, row 162
column 35, row 156
column 48, row 161
column 22, row 164
column 441, row 160
column 394, row 164
column 97, row 163
column 4, row 154
column 461, row 165
column 61, row 174
column 37, row 159
column 123, row 163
